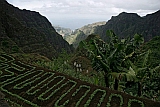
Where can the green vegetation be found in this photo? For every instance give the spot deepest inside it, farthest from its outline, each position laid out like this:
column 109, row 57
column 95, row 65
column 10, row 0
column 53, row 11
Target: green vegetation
column 120, row 64
column 154, row 46
column 49, row 88
column 128, row 65
column 22, row 32
column 62, row 65
column 134, row 100
column 115, row 95
column 125, row 64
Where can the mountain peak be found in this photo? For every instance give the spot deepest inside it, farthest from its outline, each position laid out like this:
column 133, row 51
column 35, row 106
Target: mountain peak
column 130, row 15
column 124, row 16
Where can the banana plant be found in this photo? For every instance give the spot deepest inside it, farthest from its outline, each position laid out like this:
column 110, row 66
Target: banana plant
column 123, row 62
column 151, row 87
column 117, row 58
column 140, row 69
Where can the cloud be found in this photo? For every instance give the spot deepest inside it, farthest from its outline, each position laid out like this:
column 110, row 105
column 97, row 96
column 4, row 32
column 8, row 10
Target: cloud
column 137, row 4
column 88, row 6
column 87, row 9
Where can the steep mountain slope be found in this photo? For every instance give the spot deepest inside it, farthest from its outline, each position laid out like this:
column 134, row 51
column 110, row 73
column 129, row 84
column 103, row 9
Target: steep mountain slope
column 75, row 37
column 128, row 24
column 28, row 32
column 82, row 33
column 124, row 25
column 63, row 31
column 89, row 29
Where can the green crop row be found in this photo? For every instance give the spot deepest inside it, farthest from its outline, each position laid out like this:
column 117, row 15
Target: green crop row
column 3, row 58
column 65, row 84
column 1, row 72
column 20, row 98
column 115, row 95
column 63, row 95
column 136, row 101
column 93, row 95
column 52, row 80
column 19, row 76
column 40, row 97
column 26, row 65
column 121, row 101
column 50, row 90
column 14, row 79
column 17, row 67
column 14, row 104
column 3, row 66
column 82, row 86
column 42, row 82
column 10, row 73
column 28, row 81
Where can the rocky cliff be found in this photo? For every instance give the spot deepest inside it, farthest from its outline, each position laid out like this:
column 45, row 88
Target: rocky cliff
column 28, row 31
column 82, row 33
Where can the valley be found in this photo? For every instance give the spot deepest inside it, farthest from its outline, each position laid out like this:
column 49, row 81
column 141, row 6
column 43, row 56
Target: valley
column 114, row 63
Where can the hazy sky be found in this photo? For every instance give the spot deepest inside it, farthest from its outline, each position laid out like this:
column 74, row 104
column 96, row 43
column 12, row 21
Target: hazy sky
column 76, row 13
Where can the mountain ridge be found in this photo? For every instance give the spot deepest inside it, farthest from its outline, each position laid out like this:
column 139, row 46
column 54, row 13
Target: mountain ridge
column 128, row 24
column 125, row 25
column 30, row 31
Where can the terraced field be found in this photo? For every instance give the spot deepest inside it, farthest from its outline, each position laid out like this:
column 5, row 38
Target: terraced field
column 28, row 86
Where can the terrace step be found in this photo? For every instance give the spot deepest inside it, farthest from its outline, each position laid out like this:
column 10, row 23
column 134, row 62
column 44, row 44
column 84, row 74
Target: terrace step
column 28, row 85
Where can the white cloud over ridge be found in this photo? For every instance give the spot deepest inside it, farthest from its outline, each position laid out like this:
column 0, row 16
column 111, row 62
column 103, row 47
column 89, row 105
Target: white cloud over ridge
column 88, row 10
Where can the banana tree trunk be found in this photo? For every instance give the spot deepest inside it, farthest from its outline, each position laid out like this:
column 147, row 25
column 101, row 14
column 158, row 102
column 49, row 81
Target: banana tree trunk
column 139, row 88
column 106, row 80
column 116, row 84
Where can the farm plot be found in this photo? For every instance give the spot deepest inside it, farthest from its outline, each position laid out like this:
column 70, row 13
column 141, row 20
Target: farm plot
column 28, row 86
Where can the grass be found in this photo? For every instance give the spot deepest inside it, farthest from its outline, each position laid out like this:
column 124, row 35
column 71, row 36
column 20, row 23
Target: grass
column 93, row 78
column 61, row 64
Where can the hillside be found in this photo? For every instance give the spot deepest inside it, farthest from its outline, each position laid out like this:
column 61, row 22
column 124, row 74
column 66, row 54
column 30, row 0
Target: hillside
column 154, row 46
column 122, row 60
column 29, row 86
column 124, row 25
column 28, row 31
column 63, row 31
column 128, row 24
column 82, row 33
